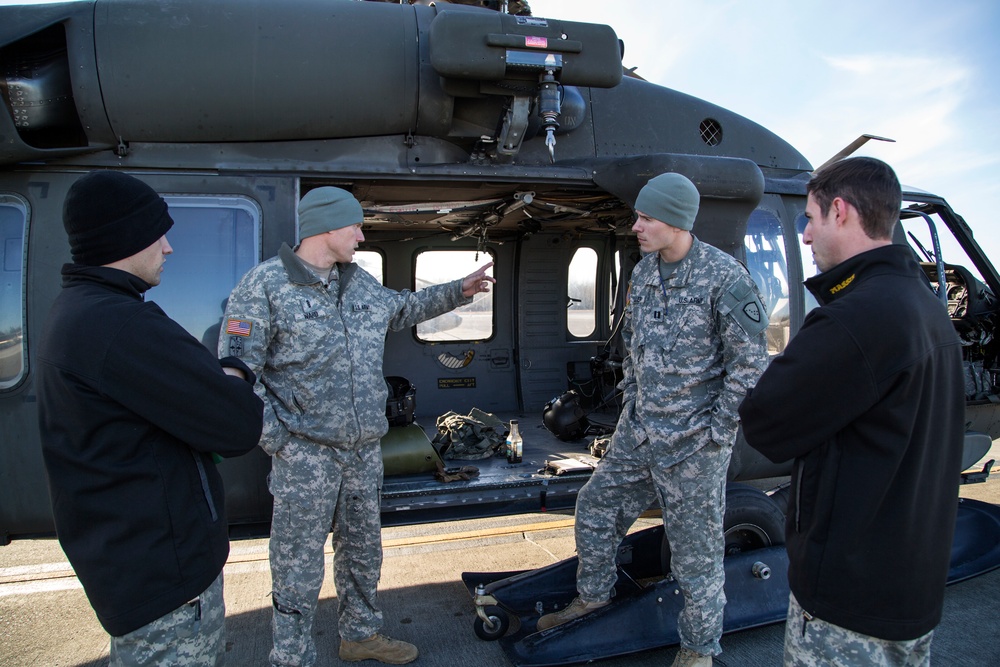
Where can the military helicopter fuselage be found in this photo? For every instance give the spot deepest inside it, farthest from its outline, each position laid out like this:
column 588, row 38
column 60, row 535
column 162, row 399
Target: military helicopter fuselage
column 469, row 135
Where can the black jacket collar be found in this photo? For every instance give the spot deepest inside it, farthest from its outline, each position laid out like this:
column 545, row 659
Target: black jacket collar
column 129, row 284
column 842, row 279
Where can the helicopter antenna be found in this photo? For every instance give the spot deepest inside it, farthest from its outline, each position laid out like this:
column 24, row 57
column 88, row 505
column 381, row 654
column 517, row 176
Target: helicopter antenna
column 851, row 147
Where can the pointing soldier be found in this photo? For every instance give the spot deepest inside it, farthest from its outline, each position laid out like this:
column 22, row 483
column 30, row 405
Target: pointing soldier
column 312, row 325
column 694, row 333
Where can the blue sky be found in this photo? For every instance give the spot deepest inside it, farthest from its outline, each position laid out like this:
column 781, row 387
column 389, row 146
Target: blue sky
column 819, row 74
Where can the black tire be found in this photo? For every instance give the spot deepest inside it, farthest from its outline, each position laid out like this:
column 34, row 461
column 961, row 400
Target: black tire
column 780, row 496
column 752, row 521
column 500, row 620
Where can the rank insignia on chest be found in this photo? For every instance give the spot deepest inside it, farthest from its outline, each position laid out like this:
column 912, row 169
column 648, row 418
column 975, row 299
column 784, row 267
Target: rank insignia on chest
column 362, row 307
column 657, row 315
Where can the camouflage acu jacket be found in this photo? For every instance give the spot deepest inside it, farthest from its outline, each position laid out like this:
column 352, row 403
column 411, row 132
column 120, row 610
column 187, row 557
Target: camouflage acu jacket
column 694, row 345
column 317, row 350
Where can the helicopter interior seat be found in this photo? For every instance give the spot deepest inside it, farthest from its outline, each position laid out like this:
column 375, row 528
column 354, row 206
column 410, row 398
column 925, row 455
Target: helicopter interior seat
column 771, row 290
column 966, row 299
column 969, row 305
column 952, row 272
column 775, row 299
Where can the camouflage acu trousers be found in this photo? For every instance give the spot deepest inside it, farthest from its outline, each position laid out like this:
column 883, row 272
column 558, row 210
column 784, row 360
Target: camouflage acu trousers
column 194, row 634
column 692, row 496
column 812, row 642
column 314, row 486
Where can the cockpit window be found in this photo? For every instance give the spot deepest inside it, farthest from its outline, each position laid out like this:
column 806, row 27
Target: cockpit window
column 808, row 264
column 926, row 234
column 768, row 266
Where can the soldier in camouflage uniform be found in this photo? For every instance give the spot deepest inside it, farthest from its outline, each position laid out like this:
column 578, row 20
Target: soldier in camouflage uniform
column 694, row 334
column 312, row 325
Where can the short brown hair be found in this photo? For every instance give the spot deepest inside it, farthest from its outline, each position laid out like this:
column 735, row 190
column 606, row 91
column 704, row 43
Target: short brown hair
column 869, row 185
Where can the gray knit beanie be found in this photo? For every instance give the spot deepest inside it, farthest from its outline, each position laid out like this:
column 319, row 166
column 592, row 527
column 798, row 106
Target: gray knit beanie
column 326, row 209
column 670, row 198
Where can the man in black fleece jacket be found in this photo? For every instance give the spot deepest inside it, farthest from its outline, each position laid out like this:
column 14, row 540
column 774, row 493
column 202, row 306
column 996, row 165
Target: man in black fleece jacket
column 131, row 409
column 868, row 399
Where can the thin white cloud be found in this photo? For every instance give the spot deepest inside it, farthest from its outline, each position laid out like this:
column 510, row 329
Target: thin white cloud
column 820, row 75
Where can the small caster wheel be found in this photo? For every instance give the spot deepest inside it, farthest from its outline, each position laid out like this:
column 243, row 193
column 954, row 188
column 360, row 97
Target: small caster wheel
column 500, row 620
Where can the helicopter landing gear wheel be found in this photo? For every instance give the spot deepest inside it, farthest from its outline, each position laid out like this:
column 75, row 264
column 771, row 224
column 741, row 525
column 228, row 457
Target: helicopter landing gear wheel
column 500, row 621
column 752, row 521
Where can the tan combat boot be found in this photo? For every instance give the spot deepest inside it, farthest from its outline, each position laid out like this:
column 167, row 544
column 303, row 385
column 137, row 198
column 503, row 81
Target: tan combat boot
column 378, row 647
column 688, row 658
column 574, row 609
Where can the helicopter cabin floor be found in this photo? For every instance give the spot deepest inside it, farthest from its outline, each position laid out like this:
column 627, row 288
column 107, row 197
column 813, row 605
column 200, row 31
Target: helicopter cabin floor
column 548, row 478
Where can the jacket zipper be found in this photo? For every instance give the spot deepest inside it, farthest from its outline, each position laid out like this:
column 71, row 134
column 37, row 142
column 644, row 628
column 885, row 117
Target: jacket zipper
column 204, row 484
column 806, row 618
column 798, row 495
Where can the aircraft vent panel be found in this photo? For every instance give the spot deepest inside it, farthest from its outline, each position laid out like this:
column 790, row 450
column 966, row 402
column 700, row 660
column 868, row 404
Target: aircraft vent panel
column 35, row 86
column 711, row 132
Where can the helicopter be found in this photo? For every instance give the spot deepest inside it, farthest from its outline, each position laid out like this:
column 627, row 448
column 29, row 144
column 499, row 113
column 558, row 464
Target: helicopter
column 470, row 132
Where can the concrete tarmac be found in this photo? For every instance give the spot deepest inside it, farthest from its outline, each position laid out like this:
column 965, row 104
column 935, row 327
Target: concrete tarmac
column 45, row 619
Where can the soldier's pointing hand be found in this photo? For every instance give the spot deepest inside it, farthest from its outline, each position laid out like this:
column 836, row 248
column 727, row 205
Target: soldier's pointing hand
column 477, row 282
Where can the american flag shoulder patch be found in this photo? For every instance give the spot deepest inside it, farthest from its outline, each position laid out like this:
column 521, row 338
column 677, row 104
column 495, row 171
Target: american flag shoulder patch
column 238, row 327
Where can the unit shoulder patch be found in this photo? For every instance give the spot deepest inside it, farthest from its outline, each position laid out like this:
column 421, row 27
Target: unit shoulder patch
column 745, row 308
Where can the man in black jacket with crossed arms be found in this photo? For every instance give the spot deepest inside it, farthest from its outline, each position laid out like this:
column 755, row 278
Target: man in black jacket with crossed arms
column 131, row 410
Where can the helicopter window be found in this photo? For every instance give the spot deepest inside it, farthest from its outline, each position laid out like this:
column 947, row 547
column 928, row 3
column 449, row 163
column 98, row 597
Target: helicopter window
column 581, row 293
column 372, row 262
column 13, row 221
column 470, row 322
column 971, row 304
column 215, row 242
column 919, row 236
column 768, row 266
column 808, row 265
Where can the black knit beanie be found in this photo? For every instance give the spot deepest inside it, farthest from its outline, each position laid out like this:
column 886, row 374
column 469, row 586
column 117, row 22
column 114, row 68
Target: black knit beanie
column 109, row 216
